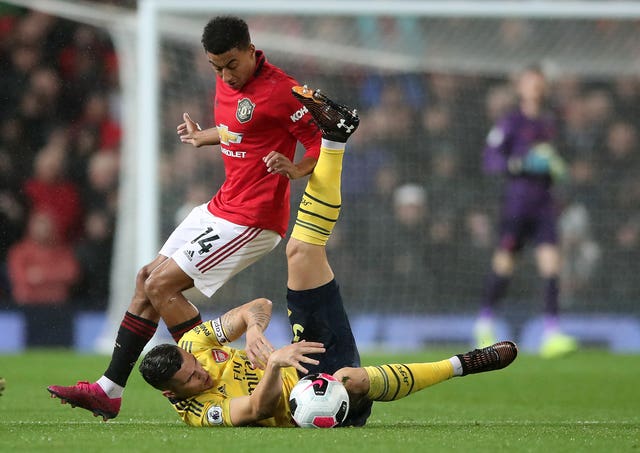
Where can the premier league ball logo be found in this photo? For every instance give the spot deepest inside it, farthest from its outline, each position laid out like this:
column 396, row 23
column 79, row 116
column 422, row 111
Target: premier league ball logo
column 319, row 401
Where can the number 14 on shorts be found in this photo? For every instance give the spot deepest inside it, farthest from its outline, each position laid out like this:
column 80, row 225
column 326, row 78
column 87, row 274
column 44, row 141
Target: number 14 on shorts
column 205, row 240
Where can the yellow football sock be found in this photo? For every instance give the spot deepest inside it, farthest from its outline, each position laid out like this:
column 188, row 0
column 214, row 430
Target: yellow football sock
column 395, row 381
column 320, row 205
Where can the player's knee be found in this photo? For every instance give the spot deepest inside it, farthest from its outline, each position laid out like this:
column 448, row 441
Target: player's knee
column 154, row 289
column 142, row 276
column 548, row 258
column 355, row 380
column 145, row 271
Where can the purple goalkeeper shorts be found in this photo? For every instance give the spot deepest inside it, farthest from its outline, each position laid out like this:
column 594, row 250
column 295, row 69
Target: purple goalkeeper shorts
column 519, row 226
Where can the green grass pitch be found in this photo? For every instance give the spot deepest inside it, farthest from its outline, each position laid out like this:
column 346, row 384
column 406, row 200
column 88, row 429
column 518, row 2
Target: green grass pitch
column 589, row 401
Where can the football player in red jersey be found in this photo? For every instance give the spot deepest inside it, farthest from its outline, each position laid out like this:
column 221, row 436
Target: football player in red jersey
column 257, row 125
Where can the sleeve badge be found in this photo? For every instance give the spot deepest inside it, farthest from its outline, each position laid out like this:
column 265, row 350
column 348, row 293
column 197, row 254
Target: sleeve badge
column 214, row 415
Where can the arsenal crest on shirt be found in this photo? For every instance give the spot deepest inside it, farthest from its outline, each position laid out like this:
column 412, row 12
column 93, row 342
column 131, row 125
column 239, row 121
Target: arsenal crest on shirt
column 219, row 355
column 245, row 110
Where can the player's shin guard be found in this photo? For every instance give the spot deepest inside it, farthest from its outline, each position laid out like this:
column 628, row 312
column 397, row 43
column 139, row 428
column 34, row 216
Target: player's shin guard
column 321, row 201
column 395, row 381
column 133, row 335
column 318, row 315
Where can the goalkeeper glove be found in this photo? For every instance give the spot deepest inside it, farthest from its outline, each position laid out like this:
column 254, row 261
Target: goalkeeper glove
column 542, row 159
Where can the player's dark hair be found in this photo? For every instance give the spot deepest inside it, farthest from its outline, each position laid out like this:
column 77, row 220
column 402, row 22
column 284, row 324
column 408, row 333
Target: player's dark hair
column 224, row 33
column 160, row 365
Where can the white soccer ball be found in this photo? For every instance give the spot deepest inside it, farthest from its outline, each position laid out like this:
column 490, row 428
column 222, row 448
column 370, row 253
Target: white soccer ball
column 319, row 401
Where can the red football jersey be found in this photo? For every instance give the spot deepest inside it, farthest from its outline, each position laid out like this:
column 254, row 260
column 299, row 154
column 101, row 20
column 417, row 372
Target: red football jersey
column 261, row 117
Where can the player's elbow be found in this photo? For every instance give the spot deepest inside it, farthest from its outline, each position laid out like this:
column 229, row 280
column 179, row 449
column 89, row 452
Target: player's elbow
column 265, row 304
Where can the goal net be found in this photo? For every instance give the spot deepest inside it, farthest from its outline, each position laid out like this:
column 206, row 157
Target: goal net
column 419, row 218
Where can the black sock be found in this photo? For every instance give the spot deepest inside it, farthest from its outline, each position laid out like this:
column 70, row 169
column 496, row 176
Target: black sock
column 495, row 289
column 179, row 330
column 133, row 335
column 551, row 296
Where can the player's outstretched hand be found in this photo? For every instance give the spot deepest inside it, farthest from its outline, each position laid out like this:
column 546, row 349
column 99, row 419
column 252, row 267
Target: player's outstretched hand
column 543, row 159
column 258, row 348
column 295, row 355
column 188, row 131
column 280, row 165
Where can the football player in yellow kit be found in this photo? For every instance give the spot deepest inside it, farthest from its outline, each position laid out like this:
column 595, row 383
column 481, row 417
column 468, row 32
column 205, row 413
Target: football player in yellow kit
column 212, row 384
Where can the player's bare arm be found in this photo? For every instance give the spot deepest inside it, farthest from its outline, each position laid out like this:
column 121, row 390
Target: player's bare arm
column 251, row 319
column 191, row 132
column 262, row 403
column 279, row 164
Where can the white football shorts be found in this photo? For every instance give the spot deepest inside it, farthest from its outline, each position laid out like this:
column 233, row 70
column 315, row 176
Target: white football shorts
column 212, row 250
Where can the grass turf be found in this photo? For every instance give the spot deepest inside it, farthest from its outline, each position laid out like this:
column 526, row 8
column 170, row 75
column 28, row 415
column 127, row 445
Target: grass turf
column 589, row 401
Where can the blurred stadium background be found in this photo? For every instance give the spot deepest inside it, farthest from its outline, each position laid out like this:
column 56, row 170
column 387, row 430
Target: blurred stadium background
column 91, row 81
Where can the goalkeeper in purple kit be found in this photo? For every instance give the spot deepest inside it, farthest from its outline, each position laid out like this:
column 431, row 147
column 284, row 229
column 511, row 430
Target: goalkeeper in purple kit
column 520, row 146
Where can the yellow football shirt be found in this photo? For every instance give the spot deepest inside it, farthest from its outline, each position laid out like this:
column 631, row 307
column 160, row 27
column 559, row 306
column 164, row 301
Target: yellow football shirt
column 233, row 375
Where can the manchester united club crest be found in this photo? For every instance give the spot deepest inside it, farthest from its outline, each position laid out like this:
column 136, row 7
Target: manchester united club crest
column 245, row 110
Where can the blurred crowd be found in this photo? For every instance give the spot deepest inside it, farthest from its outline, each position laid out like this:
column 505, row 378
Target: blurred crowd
column 59, row 166
column 432, row 213
column 418, row 224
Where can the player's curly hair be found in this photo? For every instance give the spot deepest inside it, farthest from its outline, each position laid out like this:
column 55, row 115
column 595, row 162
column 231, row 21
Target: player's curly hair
column 224, row 33
column 160, row 364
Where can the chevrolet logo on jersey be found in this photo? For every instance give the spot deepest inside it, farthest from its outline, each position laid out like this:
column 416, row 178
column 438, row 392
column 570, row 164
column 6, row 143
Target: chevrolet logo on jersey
column 226, row 136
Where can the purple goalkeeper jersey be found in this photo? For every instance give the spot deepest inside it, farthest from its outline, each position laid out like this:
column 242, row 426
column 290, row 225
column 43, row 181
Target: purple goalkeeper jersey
column 513, row 136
